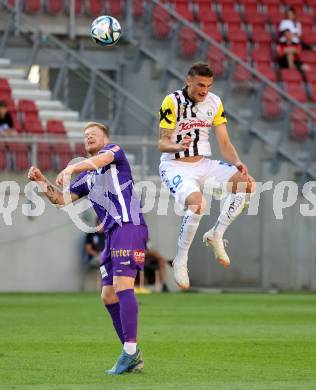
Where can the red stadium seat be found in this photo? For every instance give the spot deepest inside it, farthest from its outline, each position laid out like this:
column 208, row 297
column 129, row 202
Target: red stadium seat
column 296, row 91
column 80, row 150
column 299, row 125
column 16, row 122
column 44, row 160
column 55, row 127
column 232, row 18
column 54, row 6
column 271, row 104
column 30, row 116
column 3, row 158
column 95, row 7
column 261, row 56
column 267, row 71
column 63, row 154
column 294, row 3
column 20, row 155
column 138, row 8
column 237, row 37
column 161, row 23
column 240, row 51
column 34, row 127
column 249, row 5
column 189, row 42
column 25, row 105
column 262, row 40
column 182, row 8
column 211, row 30
column 271, row 5
column 310, row 38
column 115, row 8
column 206, row 16
column 308, row 57
column 291, row 76
column 32, row 6
column 226, row 6
column 217, row 61
column 5, row 87
column 242, row 75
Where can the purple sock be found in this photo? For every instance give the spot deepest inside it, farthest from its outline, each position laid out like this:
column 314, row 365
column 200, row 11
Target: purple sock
column 129, row 312
column 114, row 311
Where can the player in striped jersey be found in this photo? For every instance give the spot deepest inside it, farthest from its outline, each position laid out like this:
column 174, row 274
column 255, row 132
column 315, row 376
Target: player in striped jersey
column 106, row 179
column 186, row 120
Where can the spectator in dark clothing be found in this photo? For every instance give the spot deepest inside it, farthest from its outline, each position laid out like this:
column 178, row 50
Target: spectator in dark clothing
column 288, row 52
column 154, row 261
column 6, row 121
column 94, row 245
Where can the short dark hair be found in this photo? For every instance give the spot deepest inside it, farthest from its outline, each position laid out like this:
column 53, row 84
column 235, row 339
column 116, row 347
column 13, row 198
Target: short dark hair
column 200, row 69
column 3, row 103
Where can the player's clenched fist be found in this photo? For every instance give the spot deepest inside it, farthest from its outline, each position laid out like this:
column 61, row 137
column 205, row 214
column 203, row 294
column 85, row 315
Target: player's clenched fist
column 35, row 174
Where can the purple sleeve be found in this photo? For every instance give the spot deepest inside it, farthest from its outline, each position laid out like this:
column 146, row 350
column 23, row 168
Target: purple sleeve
column 79, row 185
column 116, row 150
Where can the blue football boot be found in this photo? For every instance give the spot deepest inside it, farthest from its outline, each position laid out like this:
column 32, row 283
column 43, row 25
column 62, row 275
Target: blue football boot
column 127, row 363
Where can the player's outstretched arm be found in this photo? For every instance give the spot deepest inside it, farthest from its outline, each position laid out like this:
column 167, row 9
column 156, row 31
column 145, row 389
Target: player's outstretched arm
column 53, row 193
column 88, row 164
column 228, row 150
column 166, row 145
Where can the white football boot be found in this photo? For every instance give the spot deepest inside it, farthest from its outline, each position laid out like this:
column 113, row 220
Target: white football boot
column 180, row 271
column 218, row 243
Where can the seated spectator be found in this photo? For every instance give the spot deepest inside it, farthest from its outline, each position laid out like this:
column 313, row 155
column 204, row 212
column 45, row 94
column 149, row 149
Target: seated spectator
column 154, row 261
column 94, row 245
column 291, row 23
column 288, row 52
column 6, row 121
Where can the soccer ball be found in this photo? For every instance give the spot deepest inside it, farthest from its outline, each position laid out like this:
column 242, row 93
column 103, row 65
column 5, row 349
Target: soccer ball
column 105, row 30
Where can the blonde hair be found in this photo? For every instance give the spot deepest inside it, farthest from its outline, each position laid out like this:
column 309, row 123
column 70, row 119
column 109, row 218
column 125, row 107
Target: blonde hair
column 99, row 125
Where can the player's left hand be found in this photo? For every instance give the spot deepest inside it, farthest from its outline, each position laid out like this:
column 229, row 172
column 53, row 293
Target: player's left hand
column 63, row 178
column 242, row 168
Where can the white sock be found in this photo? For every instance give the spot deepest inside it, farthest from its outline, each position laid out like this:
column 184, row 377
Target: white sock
column 233, row 206
column 130, row 348
column 188, row 228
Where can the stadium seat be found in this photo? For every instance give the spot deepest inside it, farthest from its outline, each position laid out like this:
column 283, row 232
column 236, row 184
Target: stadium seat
column 261, row 56
column 44, row 160
column 211, row 30
column 189, row 42
column 34, row 127
column 3, row 158
column 16, row 122
column 32, row 6
column 55, row 127
column 20, row 155
column 271, row 6
column 115, row 8
column 5, row 88
column 226, row 7
column 296, row 91
column 54, row 7
column 271, row 104
column 217, row 61
column 262, row 40
column 231, row 19
column 267, row 71
column 308, row 57
column 237, row 39
column 249, row 5
column 161, row 23
column 240, row 51
column 80, row 150
column 205, row 15
column 299, row 125
column 182, row 8
column 254, row 18
column 30, row 116
column 95, row 7
column 291, row 76
column 242, row 75
column 310, row 38
column 294, row 3
column 25, row 105
column 63, row 155
column 138, row 8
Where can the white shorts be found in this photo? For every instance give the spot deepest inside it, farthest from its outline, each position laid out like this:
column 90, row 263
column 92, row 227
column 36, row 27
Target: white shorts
column 183, row 178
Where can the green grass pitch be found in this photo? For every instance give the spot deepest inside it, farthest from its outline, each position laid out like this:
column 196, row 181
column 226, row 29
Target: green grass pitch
column 189, row 341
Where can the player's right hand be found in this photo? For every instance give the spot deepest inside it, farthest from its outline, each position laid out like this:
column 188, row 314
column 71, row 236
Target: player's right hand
column 185, row 142
column 35, row 174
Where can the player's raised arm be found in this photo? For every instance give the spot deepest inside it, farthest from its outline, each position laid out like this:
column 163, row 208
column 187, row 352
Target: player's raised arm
column 167, row 125
column 54, row 194
column 88, row 164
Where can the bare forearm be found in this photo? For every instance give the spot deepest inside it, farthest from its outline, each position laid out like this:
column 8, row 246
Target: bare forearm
column 53, row 193
column 230, row 154
column 166, row 146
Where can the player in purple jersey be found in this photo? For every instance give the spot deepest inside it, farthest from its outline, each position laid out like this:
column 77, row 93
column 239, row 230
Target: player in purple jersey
column 106, row 179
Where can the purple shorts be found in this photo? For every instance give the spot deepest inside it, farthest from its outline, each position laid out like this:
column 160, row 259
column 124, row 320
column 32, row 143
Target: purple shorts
column 124, row 252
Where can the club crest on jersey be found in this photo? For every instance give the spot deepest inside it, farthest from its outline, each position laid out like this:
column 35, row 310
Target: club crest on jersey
column 209, row 113
column 139, row 256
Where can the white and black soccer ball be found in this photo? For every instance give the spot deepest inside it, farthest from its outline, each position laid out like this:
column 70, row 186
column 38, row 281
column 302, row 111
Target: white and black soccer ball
column 105, row 30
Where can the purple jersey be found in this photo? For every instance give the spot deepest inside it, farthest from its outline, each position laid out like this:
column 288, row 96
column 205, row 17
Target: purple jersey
column 111, row 190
